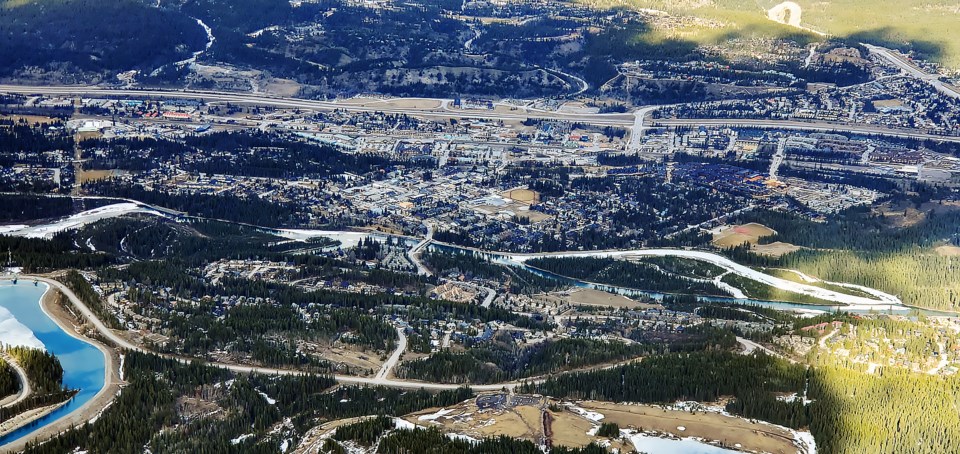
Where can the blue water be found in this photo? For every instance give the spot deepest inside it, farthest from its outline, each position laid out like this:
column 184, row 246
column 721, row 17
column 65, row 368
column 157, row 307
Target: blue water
column 83, row 364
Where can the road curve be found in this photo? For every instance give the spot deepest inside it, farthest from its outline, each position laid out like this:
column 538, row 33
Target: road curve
column 25, row 389
column 348, row 379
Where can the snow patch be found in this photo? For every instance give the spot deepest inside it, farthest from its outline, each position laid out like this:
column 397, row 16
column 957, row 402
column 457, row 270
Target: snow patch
column 267, row 398
column 436, row 415
column 78, row 220
column 240, row 439
column 16, row 334
column 591, row 415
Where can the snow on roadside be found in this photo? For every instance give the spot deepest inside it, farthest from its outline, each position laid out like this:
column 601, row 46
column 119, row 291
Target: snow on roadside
column 805, row 442
column 462, row 437
column 399, row 423
column 12, row 228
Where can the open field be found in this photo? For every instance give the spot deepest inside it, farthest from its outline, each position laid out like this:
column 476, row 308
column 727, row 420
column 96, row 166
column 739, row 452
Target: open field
column 948, row 251
column 928, row 26
column 775, row 249
column 85, row 176
column 590, row 297
column 710, row 426
column 739, row 234
column 523, row 195
column 29, row 118
column 521, row 416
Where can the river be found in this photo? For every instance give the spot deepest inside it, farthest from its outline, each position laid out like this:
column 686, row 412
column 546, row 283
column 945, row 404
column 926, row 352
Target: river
column 84, row 365
column 504, row 259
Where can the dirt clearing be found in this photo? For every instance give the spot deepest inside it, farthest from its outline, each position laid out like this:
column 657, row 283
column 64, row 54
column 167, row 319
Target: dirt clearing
column 739, row 234
column 710, row 426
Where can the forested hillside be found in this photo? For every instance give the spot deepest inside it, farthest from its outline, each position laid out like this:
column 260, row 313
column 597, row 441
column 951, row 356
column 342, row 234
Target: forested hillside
column 157, row 385
column 501, row 360
column 857, row 246
column 45, row 375
column 71, row 38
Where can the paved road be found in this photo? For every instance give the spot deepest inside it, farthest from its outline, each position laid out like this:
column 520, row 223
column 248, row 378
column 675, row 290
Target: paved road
column 491, row 294
column 913, row 70
column 25, row 390
column 607, row 119
column 750, row 346
column 395, row 357
column 414, row 253
column 804, row 126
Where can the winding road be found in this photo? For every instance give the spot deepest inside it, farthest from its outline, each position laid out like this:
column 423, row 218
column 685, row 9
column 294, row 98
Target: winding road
column 379, row 380
column 25, row 389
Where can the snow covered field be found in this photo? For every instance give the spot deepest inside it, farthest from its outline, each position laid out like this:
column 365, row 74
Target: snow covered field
column 75, row 221
column 347, row 239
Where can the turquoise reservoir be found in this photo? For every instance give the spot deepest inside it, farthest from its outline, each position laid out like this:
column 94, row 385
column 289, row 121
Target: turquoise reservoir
column 83, row 364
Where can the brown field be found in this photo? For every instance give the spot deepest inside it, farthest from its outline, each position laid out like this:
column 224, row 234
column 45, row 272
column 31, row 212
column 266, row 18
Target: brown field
column 948, row 251
column 775, row 249
column 92, row 175
column 710, row 426
column 905, row 214
column 29, row 118
column 81, row 136
column 523, row 195
column 570, row 428
column 739, row 234
column 361, row 363
column 591, row 297
column 412, row 103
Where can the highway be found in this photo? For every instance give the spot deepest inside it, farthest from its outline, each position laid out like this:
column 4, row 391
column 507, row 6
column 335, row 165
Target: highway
column 635, row 121
column 608, row 119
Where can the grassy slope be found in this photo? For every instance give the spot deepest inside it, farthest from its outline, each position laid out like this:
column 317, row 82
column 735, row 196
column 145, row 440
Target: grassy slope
column 928, row 26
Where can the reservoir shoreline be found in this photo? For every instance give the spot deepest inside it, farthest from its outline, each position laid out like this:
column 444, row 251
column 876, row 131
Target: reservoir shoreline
column 89, row 409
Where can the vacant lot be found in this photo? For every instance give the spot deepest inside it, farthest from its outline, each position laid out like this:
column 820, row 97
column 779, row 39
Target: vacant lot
column 739, row 234
column 948, row 251
column 590, row 297
column 710, row 426
column 93, row 175
column 775, row 249
column 570, row 428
